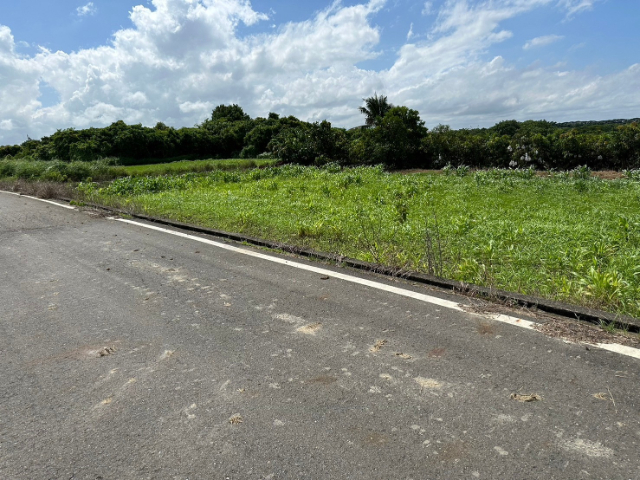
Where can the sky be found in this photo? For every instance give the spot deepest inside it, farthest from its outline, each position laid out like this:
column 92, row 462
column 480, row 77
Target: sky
column 464, row 63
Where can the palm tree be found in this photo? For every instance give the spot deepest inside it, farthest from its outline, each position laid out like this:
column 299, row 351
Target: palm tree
column 376, row 108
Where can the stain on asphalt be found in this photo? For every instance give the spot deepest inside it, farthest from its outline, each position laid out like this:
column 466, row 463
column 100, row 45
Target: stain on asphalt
column 436, row 353
column 323, row 380
column 310, row 329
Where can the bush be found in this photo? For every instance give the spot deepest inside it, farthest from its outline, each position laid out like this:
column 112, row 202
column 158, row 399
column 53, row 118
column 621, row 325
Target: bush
column 7, row 168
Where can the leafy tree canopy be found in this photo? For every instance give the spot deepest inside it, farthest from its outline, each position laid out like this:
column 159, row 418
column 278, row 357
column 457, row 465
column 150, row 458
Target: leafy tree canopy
column 507, row 127
column 231, row 113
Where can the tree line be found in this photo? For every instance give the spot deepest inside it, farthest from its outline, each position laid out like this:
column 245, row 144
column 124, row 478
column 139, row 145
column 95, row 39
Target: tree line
column 394, row 136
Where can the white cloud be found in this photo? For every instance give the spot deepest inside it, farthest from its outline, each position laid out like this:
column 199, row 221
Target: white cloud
column 576, row 6
column 88, row 9
column 427, row 9
column 577, row 46
column 410, row 33
column 542, row 41
column 181, row 58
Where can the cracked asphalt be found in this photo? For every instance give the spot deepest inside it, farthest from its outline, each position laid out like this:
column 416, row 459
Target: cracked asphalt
column 132, row 354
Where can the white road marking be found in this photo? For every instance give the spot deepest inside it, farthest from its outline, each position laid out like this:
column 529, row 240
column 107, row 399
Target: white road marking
column 517, row 322
column 69, row 207
column 621, row 349
column 310, row 268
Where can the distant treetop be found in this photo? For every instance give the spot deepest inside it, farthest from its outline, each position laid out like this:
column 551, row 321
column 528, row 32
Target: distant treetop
column 231, row 113
column 375, row 108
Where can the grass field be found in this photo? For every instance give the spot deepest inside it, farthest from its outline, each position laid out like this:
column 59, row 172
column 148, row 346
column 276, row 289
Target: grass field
column 188, row 166
column 568, row 236
column 58, row 171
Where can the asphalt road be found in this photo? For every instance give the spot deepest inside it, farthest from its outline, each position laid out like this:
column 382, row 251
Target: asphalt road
column 127, row 353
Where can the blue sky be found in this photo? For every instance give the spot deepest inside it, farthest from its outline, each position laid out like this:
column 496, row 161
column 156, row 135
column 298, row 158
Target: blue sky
column 465, row 63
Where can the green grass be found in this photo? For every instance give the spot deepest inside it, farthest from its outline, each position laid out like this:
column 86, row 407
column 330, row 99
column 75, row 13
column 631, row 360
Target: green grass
column 59, row 171
column 187, row 166
column 565, row 237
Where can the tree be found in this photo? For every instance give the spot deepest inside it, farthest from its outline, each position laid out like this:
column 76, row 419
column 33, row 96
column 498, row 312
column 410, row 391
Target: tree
column 231, row 113
column 506, row 127
column 310, row 143
column 376, row 108
column 230, row 124
column 394, row 141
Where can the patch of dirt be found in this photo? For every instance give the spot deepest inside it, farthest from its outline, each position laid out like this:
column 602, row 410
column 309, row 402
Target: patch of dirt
column 105, row 351
column 587, row 447
column 436, row 353
column 485, row 328
column 375, row 438
column 98, row 213
column 81, row 353
column 323, row 380
column 405, row 356
column 310, row 329
column 498, row 306
column 565, row 328
column 490, row 308
column 411, row 171
column 285, row 317
column 582, row 333
column 607, row 175
column 235, row 419
column 532, row 397
column 377, row 346
column 429, row 383
column 454, row 451
column 46, row 190
column 166, row 354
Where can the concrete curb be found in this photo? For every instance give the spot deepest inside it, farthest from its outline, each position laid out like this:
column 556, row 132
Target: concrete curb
column 594, row 316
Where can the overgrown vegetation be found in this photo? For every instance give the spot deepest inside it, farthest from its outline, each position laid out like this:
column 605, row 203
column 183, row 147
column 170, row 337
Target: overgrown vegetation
column 567, row 236
column 107, row 169
column 394, row 136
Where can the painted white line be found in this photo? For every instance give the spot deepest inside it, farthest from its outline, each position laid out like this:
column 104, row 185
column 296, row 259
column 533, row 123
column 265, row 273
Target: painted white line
column 40, row 199
column 322, row 271
column 621, row 349
column 514, row 321
column 517, row 322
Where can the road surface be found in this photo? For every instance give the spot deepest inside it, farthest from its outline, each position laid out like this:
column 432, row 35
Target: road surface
column 130, row 353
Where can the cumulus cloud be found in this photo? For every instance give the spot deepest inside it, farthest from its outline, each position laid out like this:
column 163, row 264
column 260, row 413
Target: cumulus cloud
column 181, row 58
column 19, row 92
column 85, row 10
column 542, row 41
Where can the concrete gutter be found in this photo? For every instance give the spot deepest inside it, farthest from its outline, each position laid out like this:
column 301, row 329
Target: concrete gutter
column 585, row 314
